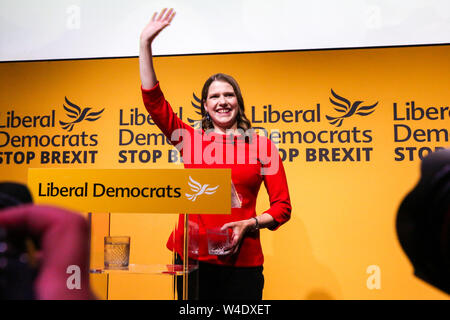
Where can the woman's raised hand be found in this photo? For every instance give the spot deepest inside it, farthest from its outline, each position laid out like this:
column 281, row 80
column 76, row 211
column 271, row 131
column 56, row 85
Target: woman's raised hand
column 151, row 30
column 156, row 25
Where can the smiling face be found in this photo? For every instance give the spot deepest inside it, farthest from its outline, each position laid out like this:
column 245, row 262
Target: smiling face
column 222, row 105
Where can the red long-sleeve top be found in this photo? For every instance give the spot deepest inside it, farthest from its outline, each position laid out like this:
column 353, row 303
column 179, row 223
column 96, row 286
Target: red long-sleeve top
column 247, row 160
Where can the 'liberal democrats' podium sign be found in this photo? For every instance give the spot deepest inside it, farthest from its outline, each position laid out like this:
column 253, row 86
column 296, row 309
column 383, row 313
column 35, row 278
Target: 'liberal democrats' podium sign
column 134, row 190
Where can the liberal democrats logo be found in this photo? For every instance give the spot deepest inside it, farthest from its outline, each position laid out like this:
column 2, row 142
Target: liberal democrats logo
column 197, row 124
column 199, row 189
column 348, row 109
column 78, row 114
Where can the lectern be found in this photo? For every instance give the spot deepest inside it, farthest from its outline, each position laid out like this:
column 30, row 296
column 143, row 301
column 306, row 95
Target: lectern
column 164, row 193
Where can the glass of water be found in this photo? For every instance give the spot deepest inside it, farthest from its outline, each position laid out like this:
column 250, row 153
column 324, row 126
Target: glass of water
column 218, row 241
column 117, row 252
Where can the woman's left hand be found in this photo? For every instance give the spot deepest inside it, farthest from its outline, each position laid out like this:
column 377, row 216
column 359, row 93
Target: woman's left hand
column 239, row 229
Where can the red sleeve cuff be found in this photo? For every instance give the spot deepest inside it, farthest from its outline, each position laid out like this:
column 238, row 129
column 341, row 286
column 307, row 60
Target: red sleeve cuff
column 155, row 91
column 279, row 220
column 149, row 90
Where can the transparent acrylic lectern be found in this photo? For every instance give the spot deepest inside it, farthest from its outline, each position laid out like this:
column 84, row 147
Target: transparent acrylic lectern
column 152, row 235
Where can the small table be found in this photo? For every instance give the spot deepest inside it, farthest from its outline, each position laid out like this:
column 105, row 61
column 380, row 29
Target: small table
column 170, row 269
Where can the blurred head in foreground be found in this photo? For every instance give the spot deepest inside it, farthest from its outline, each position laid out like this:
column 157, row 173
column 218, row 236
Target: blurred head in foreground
column 423, row 222
column 14, row 194
column 16, row 275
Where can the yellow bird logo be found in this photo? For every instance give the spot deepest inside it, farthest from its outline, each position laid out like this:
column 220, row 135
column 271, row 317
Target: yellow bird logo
column 196, row 124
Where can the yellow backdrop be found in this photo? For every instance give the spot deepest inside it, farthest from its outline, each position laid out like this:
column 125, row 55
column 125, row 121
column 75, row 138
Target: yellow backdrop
column 351, row 125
